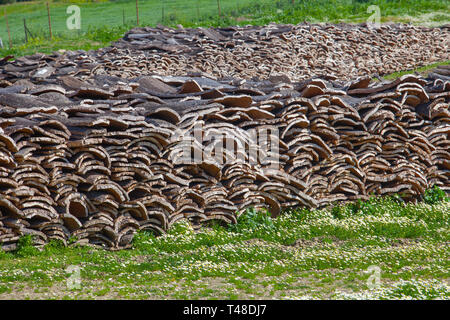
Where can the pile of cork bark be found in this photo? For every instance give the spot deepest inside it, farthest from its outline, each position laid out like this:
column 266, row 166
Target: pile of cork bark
column 95, row 157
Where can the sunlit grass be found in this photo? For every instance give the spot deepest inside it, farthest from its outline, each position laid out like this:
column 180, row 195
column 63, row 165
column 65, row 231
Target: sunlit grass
column 324, row 253
column 420, row 70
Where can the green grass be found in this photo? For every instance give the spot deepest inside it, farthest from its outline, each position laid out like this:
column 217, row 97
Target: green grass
column 302, row 254
column 421, row 70
column 103, row 22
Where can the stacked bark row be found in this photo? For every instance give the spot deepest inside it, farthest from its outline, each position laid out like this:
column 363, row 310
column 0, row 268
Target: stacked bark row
column 299, row 51
column 101, row 158
column 295, row 52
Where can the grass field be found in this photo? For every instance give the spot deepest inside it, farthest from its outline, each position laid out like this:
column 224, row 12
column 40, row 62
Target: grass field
column 422, row 70
column 105, row 21
column 331, row 253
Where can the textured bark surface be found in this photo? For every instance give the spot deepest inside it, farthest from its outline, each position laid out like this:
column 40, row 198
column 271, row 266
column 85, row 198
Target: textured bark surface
column 298, row 52
column 87, row 154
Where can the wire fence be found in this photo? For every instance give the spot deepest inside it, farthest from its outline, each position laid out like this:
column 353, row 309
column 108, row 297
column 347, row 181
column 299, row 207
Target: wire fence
column 56, row 19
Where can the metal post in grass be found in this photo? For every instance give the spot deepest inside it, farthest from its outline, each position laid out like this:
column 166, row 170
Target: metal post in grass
column 30, row 35
column 9, row 32
column 198, row 11
column 123, row 16
column 162, row 10
column 49, row 22
column 25, row 30
column 218, row 8
column 137, row 13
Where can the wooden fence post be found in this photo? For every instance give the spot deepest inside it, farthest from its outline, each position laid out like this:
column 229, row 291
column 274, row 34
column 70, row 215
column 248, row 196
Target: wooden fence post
column 49, row 22
column 9, row 32
column 137, row 13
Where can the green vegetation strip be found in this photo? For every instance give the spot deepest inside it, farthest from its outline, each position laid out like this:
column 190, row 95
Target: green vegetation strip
column 422, row 70
column 106, row 21
column 316, row 254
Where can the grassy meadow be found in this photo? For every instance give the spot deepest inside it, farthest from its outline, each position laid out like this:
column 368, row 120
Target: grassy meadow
column 332, row 253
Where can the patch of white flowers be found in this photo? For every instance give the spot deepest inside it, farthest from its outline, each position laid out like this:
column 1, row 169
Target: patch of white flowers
column 301, row 297
column 402, row 290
